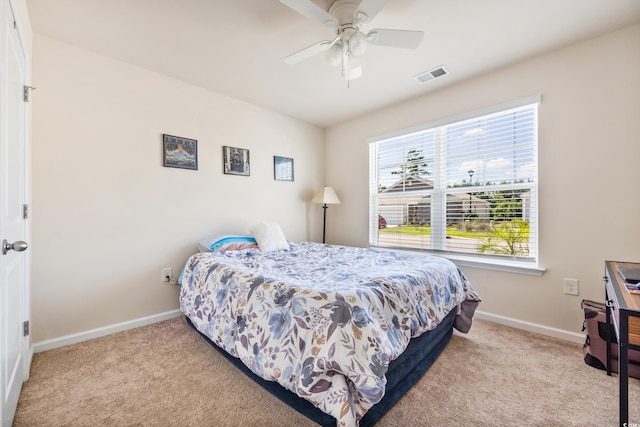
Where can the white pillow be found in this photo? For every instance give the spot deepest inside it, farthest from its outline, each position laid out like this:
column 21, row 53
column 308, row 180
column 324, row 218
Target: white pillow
column 269, row 236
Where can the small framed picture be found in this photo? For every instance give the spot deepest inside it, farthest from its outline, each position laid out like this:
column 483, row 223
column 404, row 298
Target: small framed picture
column 282, row 168
column 236, row 161
column 178, row 152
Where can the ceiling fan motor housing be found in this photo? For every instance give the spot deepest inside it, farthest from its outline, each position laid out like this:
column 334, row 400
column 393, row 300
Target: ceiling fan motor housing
column 349, row 18
column 346, row 13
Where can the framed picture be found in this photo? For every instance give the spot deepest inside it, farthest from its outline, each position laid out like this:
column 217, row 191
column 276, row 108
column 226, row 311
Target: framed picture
column 282, row 168
column 236, row 161
column 178, row 152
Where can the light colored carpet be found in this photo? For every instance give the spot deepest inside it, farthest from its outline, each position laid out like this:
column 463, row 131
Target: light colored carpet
column 166, row 375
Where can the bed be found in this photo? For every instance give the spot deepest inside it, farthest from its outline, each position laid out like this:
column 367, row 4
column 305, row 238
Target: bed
column 339, row 333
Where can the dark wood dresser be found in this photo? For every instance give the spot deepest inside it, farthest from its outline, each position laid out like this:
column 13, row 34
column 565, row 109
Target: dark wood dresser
column 623, row 310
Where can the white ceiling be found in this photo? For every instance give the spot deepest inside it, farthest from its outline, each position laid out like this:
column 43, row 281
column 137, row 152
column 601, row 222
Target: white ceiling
column 235, row 47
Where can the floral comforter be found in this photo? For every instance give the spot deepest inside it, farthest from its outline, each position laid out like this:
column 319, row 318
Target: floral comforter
column 324, row 321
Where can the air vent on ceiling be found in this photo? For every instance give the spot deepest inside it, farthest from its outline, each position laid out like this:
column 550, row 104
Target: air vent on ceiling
column 432, row 74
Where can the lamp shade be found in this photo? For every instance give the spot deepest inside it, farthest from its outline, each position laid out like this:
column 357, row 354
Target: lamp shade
column 326, row 196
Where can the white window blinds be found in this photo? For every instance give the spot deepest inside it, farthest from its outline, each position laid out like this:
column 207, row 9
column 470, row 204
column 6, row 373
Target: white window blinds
column 467, row 186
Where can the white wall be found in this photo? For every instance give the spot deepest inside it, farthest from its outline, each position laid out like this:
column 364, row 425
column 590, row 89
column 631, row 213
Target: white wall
column 107, row 217
column 589, row 161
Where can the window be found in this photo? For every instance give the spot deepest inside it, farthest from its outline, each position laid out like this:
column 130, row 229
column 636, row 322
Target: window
column 464, row 186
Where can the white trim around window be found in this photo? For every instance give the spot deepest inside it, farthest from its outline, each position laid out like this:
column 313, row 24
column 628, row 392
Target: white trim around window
column 464, row 187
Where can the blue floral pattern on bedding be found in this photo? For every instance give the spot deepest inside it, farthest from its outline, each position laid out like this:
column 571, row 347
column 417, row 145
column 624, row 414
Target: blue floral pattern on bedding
column 324, row 321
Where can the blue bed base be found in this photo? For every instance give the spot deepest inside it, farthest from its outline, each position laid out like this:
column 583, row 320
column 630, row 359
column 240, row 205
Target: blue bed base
column 403, row 373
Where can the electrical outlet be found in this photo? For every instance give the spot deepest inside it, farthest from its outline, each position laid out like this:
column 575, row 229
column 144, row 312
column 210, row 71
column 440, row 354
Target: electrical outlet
column 571, row 286
column 167, row 274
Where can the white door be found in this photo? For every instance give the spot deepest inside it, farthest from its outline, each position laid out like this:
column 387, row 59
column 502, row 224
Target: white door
column 14, row 347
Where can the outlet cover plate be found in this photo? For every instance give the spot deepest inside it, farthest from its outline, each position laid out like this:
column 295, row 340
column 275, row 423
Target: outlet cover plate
column 571, row 286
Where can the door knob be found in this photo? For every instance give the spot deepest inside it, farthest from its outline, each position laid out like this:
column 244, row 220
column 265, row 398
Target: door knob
column 18, row 246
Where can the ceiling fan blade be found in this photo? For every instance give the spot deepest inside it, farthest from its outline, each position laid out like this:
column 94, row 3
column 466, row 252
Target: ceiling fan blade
column 307, row 52
column 312, row 11
column 395, row 38
column 371, row 8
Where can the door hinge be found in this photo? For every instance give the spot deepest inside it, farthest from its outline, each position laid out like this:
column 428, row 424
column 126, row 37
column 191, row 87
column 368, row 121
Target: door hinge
column 26, row 90
column 25, row 328
column 25, row 211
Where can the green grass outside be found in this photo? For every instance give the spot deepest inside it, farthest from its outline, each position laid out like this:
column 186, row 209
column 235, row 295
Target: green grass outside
column 426, row 231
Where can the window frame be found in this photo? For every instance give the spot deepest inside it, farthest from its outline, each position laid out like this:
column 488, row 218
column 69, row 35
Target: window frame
column 494, row 262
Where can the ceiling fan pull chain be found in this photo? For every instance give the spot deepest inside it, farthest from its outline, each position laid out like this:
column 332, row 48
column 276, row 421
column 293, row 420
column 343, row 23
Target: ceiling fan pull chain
column 348, row 70
column 347, row 58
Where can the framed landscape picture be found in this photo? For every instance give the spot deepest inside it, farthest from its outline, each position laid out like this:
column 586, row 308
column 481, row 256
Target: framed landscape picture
column 236, row 161
column 178, row 152
column 282, row 168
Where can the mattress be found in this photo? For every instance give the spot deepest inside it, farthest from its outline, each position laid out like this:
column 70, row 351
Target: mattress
column 323, row 321
column 403, row 373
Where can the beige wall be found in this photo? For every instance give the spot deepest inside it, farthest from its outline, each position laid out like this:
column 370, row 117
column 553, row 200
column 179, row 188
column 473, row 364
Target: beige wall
column 589, row 161
column 107, row 217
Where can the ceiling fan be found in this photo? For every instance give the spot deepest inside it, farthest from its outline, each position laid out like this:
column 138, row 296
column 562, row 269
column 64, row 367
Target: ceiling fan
column 346, row 18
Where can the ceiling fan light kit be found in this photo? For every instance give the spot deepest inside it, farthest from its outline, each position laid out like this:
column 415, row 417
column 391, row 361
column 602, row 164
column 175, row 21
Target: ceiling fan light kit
column 357, row 44
column 345, row 17
column 334, row 54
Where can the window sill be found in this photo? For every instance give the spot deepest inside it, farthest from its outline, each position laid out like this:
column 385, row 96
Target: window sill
column 505, row 265
column 518, row 267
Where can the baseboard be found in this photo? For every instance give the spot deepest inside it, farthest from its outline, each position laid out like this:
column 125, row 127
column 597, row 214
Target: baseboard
column 100, row 332
column 532, row 327
column 119, row 327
